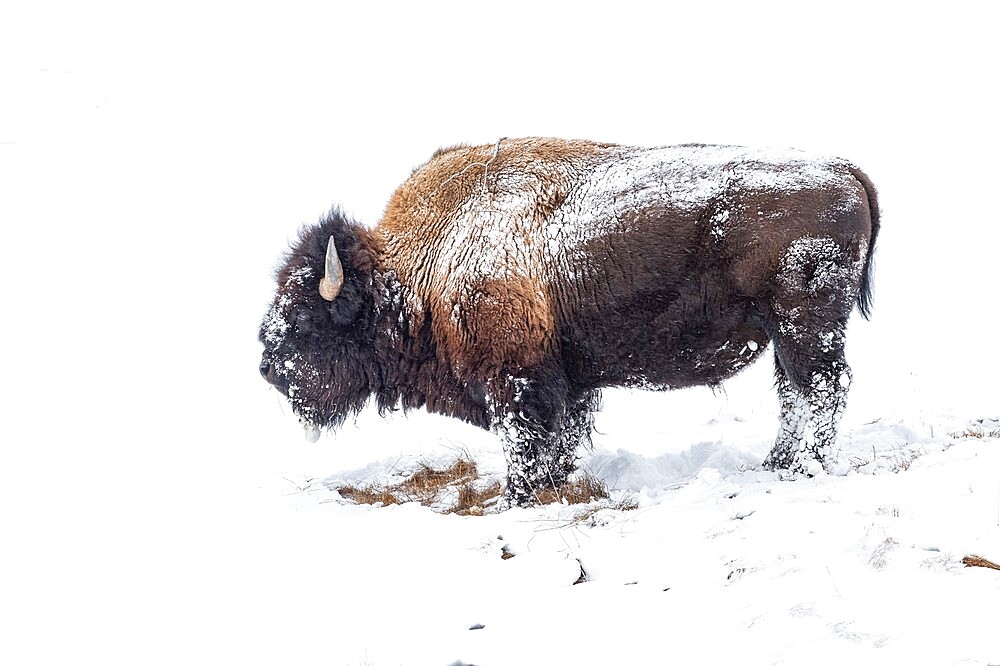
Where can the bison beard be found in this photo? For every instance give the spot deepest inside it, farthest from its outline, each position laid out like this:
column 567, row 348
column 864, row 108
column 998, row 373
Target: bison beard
column 508, row 284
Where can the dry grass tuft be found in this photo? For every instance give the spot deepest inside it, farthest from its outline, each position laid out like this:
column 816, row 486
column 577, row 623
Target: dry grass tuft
column 901, row 463
column 592, row 515
column 472, row 501
column 427, row 485
column 976, row 561
column 583, row 490
column 893, row 459
column 371, row 494
column 627, row 503
column 426, row 482
column 978, row 431
column 458, row 489
column 880, row 556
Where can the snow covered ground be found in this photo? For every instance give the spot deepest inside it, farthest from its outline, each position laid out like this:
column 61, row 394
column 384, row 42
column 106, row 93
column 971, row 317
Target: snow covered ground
column 157, row 502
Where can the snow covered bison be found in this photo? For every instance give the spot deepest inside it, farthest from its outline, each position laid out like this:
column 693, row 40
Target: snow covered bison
column 507, row 284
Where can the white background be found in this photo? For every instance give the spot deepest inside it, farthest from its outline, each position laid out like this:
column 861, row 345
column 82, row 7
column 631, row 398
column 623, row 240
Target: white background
column 156, row 158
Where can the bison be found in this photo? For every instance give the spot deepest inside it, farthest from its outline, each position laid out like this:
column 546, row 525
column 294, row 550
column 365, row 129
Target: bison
column 507, row 284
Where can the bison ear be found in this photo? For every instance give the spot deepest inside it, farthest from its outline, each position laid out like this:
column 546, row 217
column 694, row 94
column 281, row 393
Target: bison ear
column 332, row 282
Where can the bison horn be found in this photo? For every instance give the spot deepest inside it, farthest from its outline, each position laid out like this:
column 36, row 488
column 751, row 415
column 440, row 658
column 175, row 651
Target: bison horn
column 331, row 283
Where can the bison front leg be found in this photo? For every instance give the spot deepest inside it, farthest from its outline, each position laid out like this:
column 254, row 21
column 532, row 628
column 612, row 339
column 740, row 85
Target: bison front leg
column 559, row 451
column 540, row 429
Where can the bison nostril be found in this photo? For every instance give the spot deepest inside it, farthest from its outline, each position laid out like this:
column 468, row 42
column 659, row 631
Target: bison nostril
column 265, row 368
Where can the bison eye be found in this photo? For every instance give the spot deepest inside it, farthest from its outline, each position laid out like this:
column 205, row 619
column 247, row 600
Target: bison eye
column 303, row 322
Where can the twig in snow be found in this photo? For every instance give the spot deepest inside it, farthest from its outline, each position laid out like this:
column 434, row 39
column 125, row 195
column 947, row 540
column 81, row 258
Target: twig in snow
column 880, row 556
column 976, row 561
column 833, row 582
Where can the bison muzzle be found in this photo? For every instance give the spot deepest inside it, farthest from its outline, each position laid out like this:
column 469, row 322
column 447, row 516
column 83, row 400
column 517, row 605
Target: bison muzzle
column 507, row 284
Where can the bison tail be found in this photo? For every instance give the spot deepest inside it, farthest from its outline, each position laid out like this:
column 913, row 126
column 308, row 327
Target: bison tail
column 865, row 292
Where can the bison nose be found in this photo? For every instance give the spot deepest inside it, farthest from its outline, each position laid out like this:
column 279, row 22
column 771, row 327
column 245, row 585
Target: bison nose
column 265, row 369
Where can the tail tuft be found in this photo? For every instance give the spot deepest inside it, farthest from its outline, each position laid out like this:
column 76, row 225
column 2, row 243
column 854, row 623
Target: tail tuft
column 865, row 292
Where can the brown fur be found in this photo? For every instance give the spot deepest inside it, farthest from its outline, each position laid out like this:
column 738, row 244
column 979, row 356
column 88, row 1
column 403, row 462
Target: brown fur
column 521, row 306
column 517, row 308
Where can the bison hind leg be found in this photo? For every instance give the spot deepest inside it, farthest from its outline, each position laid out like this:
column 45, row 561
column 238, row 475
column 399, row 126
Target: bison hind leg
column 807, row 320
column 809, row 419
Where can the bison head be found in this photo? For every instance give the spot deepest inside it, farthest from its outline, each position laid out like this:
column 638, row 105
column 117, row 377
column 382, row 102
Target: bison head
column 318, row 333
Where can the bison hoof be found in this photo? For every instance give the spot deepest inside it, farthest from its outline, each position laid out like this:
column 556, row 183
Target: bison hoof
column 793, row 469
column 510, row 502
